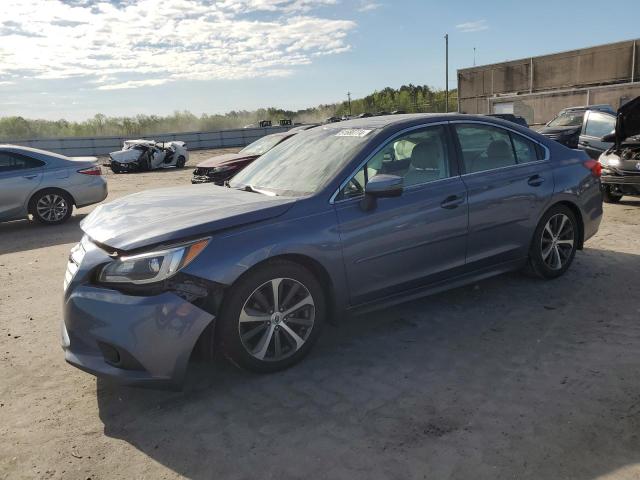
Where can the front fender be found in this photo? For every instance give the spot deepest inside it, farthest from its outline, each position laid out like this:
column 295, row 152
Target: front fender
column 314, row 236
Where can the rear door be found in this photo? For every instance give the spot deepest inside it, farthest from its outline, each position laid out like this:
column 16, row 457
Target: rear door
column 411, row 240
column 596, row 126
column 20, row 176
column 509, row 183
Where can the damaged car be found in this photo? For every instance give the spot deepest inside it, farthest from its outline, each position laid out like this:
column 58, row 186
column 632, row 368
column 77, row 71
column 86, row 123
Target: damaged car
column 340, row 219
column 621, row 162
column 221, row 168
column 140, row 155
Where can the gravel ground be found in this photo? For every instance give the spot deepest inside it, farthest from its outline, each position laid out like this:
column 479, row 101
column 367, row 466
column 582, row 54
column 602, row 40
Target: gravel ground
column 509, row 378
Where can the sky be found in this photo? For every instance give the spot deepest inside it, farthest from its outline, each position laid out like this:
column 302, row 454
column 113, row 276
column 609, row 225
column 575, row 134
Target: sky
column 72, row 59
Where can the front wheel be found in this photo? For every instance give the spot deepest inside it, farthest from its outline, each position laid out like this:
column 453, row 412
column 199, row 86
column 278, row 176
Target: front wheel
column 554, row 243
column 609, row 195
column 180, row 163
column 272, row 317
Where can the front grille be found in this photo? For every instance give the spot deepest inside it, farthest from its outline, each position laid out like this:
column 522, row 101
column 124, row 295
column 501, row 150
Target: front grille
column 202, row 171
column 75, row 259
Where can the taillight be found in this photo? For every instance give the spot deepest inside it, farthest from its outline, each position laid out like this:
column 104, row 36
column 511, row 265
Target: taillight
column 96, row 170
column 595, row 167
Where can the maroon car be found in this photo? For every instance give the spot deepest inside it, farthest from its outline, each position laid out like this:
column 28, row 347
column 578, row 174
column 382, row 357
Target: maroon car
column 221, row 168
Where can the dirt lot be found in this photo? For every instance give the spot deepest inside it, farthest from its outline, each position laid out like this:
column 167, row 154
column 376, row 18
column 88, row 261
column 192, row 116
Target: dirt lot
column 510, row 378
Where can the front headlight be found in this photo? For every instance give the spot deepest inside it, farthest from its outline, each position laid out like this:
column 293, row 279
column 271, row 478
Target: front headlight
column 222, row 168
column 609, row 161
column 153, row 266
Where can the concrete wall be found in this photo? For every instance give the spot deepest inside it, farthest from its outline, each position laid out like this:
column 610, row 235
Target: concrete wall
column 541, row 86
column 92, row 146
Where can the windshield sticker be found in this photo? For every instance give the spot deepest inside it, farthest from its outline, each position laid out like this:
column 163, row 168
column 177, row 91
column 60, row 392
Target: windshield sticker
column 353, row 132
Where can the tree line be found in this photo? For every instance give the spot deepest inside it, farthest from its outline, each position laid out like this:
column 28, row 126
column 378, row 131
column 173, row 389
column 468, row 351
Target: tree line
column 408, row 98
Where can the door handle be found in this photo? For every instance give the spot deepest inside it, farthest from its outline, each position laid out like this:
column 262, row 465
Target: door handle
column 452, row 201
column 535, row 181
column 29, row 177
column 583, row 143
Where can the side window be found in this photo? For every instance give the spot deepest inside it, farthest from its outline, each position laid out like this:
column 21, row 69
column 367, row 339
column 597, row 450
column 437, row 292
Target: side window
column 526, row 150
column 599, row 125
column 420, row 156
column 11, row 161
column 485, row 147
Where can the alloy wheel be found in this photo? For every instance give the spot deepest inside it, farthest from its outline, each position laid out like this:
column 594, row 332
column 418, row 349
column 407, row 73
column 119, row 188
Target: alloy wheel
column 52, row 207
column 557, row 241
column 277, row 319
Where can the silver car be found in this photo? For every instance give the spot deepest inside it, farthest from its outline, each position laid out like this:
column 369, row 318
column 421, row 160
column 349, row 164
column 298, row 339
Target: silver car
column 46, row 185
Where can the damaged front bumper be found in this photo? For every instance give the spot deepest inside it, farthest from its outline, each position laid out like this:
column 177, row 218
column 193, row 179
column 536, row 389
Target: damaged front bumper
column 124, row 167
column 136, row 340
column 133, row 338
column 627, row 183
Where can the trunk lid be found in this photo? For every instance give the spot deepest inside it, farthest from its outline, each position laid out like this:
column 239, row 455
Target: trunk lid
column 170, row 214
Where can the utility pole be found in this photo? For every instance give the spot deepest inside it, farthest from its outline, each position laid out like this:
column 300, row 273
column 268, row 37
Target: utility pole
column 474, row 56
column 349, row 97
column 446, row 72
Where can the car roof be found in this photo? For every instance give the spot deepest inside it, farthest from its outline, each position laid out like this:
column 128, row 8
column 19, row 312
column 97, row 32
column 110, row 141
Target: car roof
column 400, row 121
column 36, row 151
column 385, row 120
column 600, row 108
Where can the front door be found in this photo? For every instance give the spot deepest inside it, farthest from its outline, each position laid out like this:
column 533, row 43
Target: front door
column 411, row 240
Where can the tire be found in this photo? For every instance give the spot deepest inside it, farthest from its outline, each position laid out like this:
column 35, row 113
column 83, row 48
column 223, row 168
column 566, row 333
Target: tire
column 51, row 206
column 266, row 342
column 115, row 169
column 608, row 196
column 180, row 163
column 548, row 258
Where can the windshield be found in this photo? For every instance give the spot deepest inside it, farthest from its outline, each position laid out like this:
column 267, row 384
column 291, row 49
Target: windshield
column 262, row 145
column 567, row 119
column 304, row 163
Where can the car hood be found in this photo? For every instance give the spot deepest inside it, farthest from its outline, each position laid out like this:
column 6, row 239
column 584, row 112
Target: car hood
column 226, row 159
column 628, row 121
column 126, row 156
column 558, row 130
column 170, row 214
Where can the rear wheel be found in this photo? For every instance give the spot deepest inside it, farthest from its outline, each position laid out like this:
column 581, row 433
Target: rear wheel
column 272, row 317
column 554, row 243
column 51, row 207
column 609, row 195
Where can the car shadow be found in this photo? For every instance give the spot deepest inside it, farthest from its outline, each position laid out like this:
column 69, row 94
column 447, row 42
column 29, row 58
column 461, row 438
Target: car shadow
column 512, row 377
column 22, row 235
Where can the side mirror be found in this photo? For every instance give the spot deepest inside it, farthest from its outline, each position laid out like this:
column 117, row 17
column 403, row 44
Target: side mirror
column 381, row 186
column 609, row 137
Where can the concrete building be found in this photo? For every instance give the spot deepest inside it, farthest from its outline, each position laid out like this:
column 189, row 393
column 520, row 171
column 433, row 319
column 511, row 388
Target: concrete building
column 538, row 87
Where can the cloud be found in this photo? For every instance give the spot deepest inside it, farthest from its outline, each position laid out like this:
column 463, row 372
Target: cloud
column 475, row 26
column 367, row 6
column 133, row 84
column 126, row 44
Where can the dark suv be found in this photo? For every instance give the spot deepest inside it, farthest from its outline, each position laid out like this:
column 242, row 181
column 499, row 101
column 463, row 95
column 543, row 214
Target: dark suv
column 583, row 128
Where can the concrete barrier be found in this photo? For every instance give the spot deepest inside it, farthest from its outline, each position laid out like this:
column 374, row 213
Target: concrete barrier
column 94, row 146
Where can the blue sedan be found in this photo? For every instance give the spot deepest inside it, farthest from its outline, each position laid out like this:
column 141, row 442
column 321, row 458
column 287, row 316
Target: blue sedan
column 343, row 218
